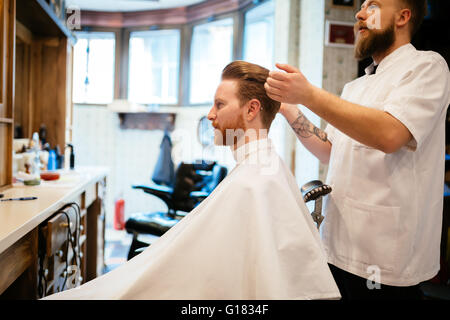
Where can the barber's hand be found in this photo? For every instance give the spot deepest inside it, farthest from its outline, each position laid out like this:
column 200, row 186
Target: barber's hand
column 289, row 87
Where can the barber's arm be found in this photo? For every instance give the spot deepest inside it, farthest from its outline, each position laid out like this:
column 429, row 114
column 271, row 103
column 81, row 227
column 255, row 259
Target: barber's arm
column 374, row 128
column 314, row 139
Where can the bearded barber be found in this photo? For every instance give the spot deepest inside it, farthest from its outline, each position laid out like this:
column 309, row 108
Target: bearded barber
column 384, row 144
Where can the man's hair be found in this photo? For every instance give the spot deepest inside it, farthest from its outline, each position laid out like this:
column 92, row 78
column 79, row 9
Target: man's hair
column 418, row 12
column 251, row 78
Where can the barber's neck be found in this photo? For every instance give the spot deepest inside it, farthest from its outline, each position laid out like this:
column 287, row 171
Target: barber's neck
column 400, row 40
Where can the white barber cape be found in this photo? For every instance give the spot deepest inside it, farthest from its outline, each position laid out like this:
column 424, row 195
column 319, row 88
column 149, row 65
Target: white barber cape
column 252, row 238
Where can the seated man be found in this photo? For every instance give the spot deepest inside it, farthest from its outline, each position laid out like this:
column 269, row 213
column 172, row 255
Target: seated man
column 252, row 238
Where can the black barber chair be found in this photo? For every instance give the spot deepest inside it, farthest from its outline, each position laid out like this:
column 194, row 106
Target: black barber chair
column 193, row 183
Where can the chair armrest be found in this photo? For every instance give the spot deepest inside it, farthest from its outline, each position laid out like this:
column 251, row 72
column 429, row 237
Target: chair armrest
column 199, row 195
column 162, row 192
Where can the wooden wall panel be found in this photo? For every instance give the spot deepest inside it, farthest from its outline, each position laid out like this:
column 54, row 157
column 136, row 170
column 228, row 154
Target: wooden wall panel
column 69, row 104
column 3, row 150
column 49, row 60
column 2, row 56
column 7, row 50
column 22, row 106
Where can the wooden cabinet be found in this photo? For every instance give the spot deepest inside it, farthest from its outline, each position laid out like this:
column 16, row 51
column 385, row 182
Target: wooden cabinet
column 44, row 73
column 35, row 89
column 7, row 43
column 19, row 268
column 35, row 85
column 62, row 251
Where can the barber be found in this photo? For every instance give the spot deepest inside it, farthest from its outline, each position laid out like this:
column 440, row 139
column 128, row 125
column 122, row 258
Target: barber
column 384, row 144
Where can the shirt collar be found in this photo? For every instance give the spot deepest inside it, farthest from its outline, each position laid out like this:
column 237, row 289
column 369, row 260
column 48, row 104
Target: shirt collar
column 252, row 147
column 390, row 59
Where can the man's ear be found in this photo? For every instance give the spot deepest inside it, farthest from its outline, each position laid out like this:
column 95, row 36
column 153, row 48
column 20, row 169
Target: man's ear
column 253, row 109
column 403, row 17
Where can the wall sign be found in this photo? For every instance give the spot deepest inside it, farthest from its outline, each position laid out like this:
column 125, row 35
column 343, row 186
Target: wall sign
column 339, row 34
column 344, row 4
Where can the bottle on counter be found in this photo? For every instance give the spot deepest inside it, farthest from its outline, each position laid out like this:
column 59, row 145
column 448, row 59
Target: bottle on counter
column 36, row 163
column 51, row 160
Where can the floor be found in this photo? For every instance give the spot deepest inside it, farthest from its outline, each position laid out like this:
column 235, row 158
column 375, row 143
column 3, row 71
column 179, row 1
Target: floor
column 117, row 243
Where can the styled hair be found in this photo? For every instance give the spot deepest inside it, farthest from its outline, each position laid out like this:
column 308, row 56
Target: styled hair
column 251, row 79
column 418, row 12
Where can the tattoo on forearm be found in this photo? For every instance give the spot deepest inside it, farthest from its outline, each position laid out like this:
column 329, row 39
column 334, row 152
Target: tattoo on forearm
column 303, row 128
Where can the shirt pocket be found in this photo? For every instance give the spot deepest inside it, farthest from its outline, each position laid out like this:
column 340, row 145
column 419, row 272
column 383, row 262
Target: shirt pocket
column 372, row 235
column 368, row 174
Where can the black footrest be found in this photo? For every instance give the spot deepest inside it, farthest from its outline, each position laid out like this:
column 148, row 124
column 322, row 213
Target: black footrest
column 156, row 223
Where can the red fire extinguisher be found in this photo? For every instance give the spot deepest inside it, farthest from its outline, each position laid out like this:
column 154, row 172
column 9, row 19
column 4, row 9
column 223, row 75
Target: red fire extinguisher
column 119, row 214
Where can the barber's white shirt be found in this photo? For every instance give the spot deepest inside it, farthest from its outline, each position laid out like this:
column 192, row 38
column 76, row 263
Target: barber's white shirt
column 385, row 211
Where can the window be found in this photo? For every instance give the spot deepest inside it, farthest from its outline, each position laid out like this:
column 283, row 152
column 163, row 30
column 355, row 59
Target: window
column 154, row 67
column 93, row 67
column 258, row 35
column 258, row 48
column 211, row 51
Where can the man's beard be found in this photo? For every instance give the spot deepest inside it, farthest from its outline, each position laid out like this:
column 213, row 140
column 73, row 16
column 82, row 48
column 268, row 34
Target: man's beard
column 230, row 133
column 374, row 42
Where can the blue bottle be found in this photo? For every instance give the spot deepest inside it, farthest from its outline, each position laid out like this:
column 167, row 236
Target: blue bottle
column 51, row 160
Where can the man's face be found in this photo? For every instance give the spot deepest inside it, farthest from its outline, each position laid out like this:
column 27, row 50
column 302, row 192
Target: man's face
column 226, row 114
column 375, row 28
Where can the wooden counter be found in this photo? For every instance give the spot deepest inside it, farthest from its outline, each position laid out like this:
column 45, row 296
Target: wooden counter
column 25, row 223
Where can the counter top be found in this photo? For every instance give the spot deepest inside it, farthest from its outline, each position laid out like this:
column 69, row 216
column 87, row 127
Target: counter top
column 17, row 218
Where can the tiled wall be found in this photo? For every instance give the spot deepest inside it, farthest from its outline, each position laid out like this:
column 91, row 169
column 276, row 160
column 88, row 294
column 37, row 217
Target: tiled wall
column 130, row 155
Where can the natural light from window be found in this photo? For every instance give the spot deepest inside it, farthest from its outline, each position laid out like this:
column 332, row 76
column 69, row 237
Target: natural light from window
column 258, row 35
column 154, row 66
column 211, row 51
column 93, row 67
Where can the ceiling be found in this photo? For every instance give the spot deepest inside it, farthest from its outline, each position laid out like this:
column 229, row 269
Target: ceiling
column 129, row 5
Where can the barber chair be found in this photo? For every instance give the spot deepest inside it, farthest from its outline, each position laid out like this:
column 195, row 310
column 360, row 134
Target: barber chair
column 315, row 190
column 193, row 183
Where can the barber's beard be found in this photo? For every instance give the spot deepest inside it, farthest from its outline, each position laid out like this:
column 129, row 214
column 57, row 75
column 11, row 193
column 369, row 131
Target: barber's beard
column 375, row 42
column 230, row 133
